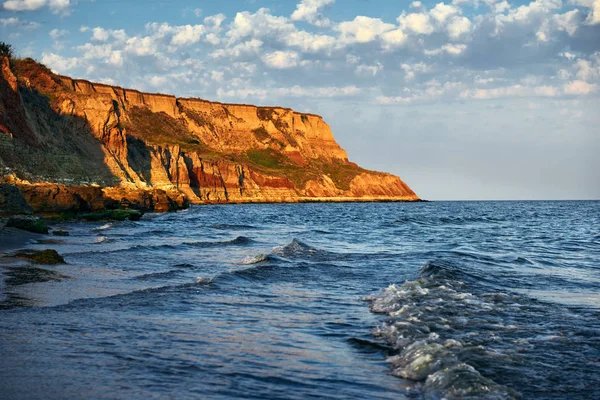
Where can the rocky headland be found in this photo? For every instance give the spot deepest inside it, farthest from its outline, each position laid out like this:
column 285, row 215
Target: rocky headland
column 72, row 146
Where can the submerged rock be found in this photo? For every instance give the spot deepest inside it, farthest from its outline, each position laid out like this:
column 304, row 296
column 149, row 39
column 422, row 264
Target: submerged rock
column 28, row 223
column 60, row 233
column 113, row 215
column 47, row 256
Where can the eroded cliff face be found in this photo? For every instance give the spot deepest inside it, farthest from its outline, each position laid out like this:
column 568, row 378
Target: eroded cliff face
column 54, row 129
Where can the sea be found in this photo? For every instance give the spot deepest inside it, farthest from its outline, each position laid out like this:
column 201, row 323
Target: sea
column 428, row 300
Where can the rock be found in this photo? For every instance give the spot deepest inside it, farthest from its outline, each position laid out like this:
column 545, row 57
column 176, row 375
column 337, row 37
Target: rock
column 27, row 223
column 60, row 233
column 12, row 200
column 47, row 256
column 113, row 215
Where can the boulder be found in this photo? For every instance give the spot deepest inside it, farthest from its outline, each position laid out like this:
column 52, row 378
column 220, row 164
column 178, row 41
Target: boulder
column 47, row 256
column 28, row 223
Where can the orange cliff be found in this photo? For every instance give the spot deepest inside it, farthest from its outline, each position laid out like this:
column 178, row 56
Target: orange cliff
column 70, row 144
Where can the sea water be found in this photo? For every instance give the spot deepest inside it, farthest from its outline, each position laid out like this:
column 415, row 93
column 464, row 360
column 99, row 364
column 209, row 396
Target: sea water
column 495, row 300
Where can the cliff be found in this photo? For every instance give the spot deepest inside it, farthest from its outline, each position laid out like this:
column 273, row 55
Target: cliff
column 66, row 136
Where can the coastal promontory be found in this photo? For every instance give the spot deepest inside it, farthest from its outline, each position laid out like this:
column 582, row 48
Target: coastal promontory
column 72, row 145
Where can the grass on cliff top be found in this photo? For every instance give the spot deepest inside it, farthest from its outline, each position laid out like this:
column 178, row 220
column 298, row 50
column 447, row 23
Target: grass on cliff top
column 274, row 162
column 340, row 173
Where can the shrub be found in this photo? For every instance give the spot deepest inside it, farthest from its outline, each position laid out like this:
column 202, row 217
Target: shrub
column 261, row 134
column 6, row 50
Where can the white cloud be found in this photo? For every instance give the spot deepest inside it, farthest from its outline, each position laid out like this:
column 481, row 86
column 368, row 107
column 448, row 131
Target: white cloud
column 56, row 6
column 197, row 12
column 258, row 25
column 593, row 16
column 436, row 53
column 58, row 33
column 411, row 70
column 99, row 34
column 458, row 26
column 441, row 12
column 157, row 81
column 215, row 21
column 62, row 65
column 217, row 76
column 568, row 22
column 187, row 35
column 116, row 58
column 578, row 87
column 246, row 48
column 24, row 5
column 294, row 91
column 309, row 11
column 369, row 70
column 418, row 23
column 449, row 48
column 309, row 42
column 393, row 38
column 362, row 29
column 60, row 6
column 100, row 51
column 145, row 46
column 17, row 23
column 510, row 91
column 281, row 59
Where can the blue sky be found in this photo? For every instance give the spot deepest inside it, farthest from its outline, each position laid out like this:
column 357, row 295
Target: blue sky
column 465, row 99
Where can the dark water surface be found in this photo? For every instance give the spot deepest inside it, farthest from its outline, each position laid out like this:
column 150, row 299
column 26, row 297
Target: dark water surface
column 491, row 300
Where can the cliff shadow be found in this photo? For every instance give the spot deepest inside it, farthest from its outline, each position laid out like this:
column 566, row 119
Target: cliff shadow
column 139, row 158
column 65, row 149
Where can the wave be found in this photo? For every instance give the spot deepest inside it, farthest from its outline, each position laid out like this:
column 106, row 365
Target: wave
column 238, row 241
column 103, row 227
column 447, row 220
column 298, row 249
column 232, row 226
column 159, row 275
column 259, row 258
column 430, row 321
column 103, row 239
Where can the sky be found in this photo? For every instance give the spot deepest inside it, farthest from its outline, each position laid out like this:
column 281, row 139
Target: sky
column 464, row 100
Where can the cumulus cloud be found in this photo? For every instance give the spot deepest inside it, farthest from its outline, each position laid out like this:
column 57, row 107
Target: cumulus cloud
column 56, row 6
column 58, row 63
column 281, row 59
column 578, row 87
column 418, row 23
column 437, row 53
column 24, row 5
column 362, row 29
column 309, row 11
column 58, row 33
column 17, row 23
column 593, row 7
column 294, row 91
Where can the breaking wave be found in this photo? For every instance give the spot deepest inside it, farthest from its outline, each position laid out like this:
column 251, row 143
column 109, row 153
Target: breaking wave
column 431, row 321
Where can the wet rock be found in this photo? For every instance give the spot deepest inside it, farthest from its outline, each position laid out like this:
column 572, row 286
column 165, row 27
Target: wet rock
column 113, row 215
column 28, row 223
column 29, row 274
column 60, row 233
column 12, row 201
column 47, row 256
